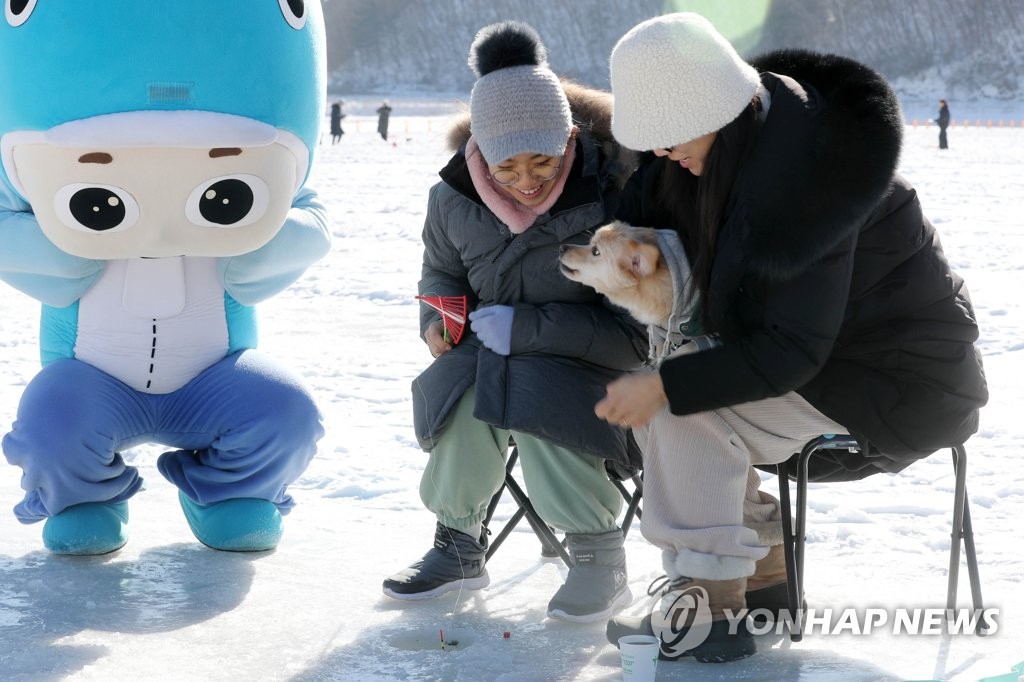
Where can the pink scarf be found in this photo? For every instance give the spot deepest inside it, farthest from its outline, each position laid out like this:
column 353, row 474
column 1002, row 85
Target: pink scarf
column 515, row 215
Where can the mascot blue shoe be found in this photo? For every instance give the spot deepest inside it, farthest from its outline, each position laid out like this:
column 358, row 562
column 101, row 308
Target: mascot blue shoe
column 238, row 525
column 87, row 529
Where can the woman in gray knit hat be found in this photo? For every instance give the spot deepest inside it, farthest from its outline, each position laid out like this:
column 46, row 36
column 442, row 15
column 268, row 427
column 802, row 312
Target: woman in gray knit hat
column 535, row 168
column 834, row 307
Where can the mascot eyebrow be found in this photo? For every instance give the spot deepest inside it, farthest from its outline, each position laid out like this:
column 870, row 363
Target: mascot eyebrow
column 96, row 157
column 103, row 157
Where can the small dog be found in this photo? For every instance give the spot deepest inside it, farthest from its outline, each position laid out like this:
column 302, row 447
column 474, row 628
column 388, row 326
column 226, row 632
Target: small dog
column 628, row 266
column 625, row 264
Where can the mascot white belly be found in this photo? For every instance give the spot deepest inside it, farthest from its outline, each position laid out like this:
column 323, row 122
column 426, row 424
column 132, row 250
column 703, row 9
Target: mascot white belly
column 153, row 323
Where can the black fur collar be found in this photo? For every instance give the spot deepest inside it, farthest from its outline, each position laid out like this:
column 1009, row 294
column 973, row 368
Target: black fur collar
column 824, row 159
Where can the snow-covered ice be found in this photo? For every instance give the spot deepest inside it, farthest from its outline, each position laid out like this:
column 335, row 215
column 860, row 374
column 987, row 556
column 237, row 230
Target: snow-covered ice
column 165, row 607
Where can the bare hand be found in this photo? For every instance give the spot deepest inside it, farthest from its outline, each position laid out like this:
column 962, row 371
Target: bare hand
column 633, row 400
column 434, row 337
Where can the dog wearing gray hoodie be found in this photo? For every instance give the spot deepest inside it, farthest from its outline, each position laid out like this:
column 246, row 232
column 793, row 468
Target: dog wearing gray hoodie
column 646, row 272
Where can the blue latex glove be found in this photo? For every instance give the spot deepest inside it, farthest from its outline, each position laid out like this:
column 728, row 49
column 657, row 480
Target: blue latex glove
column 493, row 325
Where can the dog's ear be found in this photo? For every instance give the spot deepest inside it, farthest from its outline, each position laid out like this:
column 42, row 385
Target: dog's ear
column 644, row 259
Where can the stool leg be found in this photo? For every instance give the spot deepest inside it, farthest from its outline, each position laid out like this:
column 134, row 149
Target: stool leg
column 513, row 456
column 793, row 585
column 963, row 530
column 801, row 520
column 505, row 532
column 633, row 500
column 959, row 492
column 550, row 545
column 970, row 555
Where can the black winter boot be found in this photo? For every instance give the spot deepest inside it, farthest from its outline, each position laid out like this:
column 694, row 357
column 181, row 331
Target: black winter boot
column 596, row 585
column 692, row 620
column 767, row 590
column 456, row 561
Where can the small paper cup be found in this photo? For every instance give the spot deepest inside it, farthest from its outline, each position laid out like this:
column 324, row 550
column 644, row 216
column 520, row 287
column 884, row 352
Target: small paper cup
column 639, row 657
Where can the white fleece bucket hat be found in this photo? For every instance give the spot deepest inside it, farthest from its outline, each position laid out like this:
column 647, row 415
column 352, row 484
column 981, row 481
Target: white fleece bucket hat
column 675, row 78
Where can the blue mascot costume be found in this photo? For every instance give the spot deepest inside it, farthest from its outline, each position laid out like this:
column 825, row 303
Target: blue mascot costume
column 154, row 160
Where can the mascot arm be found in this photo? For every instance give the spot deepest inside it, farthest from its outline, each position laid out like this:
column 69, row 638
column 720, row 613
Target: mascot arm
column 269, row 270
column 30, row 262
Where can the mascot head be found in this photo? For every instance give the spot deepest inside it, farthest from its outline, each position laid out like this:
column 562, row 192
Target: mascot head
column 152, row 129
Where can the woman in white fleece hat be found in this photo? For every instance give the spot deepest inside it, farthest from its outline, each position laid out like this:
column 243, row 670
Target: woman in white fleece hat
column 535, row 167
column 833, row 305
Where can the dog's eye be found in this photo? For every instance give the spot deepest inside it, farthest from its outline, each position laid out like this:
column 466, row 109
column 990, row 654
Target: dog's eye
column 595, row 251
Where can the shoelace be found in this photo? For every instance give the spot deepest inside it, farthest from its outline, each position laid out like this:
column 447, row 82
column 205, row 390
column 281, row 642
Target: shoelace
column 663, row 585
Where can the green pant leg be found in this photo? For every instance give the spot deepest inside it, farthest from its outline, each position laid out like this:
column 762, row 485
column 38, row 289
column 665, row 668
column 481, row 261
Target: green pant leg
column 465, row 469
column 570, row 491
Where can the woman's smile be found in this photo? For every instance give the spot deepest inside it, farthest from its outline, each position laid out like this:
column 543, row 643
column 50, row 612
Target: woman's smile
column 528, row 178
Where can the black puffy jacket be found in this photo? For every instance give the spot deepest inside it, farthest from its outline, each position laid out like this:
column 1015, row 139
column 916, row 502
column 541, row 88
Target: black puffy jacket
column 828, row 280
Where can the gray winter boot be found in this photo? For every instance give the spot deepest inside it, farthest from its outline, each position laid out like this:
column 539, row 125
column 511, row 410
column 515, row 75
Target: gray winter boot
column 456, row 561
column 596, row 585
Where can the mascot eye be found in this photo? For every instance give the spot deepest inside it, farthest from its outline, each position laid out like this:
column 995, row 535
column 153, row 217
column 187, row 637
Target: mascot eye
column 95, row 208
column 17, row 12
column 230, row 201
column 595, row 251
column 294, row 12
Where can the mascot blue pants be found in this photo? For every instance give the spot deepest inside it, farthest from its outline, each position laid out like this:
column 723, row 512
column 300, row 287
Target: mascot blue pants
column 245, row 428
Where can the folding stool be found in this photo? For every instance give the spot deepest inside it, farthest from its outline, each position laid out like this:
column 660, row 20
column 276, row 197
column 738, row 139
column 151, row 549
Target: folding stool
column 551, row 546
column 794, row 534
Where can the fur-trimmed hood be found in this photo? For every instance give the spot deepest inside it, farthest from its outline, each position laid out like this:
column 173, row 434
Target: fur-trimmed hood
column 824, row 160
column 591, row 109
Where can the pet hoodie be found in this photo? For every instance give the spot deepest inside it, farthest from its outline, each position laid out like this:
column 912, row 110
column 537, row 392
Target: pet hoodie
column 684, row 333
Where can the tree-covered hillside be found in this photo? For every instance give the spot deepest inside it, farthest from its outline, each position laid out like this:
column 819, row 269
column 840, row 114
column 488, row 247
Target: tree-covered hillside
column 968, row 49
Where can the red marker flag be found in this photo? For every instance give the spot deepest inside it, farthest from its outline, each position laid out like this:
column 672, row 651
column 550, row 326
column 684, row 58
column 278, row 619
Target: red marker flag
column 453, row 313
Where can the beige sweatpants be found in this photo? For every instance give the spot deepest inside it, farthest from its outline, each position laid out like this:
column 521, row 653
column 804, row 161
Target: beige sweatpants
column 702, row 502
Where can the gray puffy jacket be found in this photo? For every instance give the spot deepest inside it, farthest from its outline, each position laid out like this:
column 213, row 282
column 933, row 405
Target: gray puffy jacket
column 567, row 342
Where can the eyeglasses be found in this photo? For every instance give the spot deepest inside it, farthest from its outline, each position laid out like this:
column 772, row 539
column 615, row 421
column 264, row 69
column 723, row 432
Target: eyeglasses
column 541, row 173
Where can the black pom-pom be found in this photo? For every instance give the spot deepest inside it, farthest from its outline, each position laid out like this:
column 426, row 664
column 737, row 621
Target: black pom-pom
column 509, row 43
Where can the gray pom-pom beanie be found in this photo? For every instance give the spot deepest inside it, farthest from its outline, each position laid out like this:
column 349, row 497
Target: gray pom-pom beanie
column 674, row 79
column 517, row 104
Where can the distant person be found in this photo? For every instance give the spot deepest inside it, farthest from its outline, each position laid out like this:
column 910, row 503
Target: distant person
column 336, row 116
column 383, row 114
column 943, row 122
